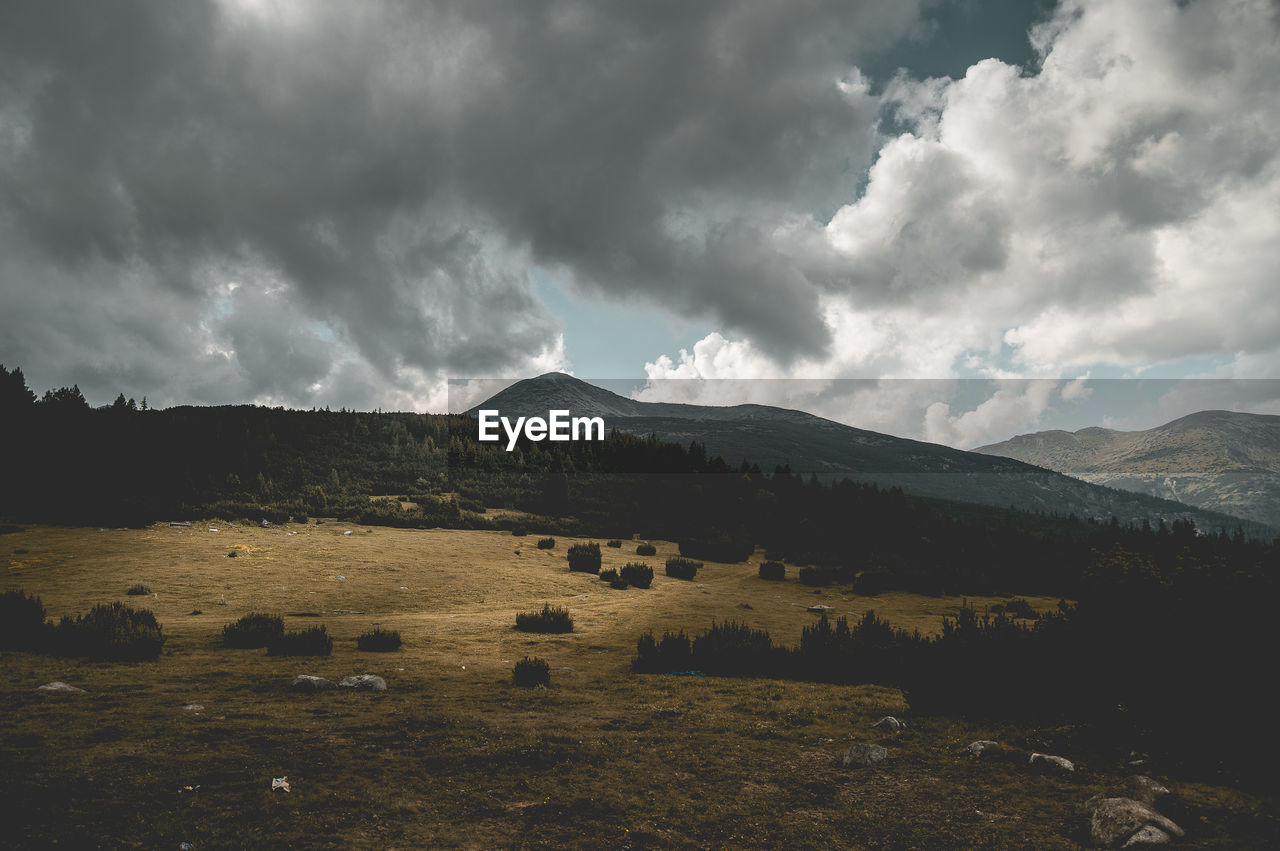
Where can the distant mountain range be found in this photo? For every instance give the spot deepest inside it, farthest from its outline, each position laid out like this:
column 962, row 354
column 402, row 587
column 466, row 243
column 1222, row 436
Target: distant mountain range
column 770, row 436
column 1218, row 460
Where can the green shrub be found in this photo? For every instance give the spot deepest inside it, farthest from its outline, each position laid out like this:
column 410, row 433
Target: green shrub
column 139, row 590
column 584, row 558
column 531, row 671
column 682, row 568
column 379, row 641
column 113, row 632
column 22, row 623
column 616, row 544
column 646, row 550
column 546, row 543
column 518, row 531
column 637, row 574
column 619, row 583
column 1019, row 608
column 312, row 641
column 548, row 620
column 775, row 571
column 610, row 575
column 256, row 630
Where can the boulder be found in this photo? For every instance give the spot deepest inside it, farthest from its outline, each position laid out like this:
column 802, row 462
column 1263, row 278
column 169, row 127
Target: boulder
column 1114, row 822
column 1141, row 789
column 978, row 748
column 306, row 682
column 1148, row 836
column 820, row 609
column 1055, row 763
column 363, row 682
column 59, row 686
column 862, row 755
column 889, row 724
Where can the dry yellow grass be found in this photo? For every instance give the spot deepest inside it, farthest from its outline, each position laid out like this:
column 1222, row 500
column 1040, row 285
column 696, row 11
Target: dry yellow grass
column 453, row 754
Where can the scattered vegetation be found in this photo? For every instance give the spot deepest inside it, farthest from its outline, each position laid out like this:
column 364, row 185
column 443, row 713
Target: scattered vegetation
column 312, row 641
column 379, row 641
column 531, row 671
column 636, row 574
column 615, row 543
column 774, row 571
column 609, row 575
column 682, row 568
column 550, row 619
column 110, row 632
column 254, row 630
column 546, row 543
column 139, row 590
column 1016, row 608
column 584, row 558
column 646, row 550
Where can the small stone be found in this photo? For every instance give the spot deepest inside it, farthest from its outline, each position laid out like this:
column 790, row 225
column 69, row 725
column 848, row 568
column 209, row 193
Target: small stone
column 306, row 682
column 889, row 724
column 863, row 755
column 59, row 686
column 1058, row 763
column 820, row 608
column 978, row 748
column 363, row 682
column 193, row 707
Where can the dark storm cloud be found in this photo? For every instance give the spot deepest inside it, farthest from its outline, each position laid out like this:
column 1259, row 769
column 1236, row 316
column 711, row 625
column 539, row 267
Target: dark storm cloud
column 377, row 179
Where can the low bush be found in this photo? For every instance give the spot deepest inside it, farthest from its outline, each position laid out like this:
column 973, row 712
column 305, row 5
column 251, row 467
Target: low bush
column 619, row 583
column 546, row 543
column 518, row 531
column 774, row 571
column 616, row 544
column 817, row 576
column 610, row 575
column 637, row 574
column 682, row 568
column 1018, row 608
column 112, row 632
column 871, row 582
column 584, row 558
column 22, row 623
column 312, row 641
column 255, row 630
column 646, row 550
column 674, row 652
column 550, row 619
column 379, row 641
column 531, row 671
column 139, row 590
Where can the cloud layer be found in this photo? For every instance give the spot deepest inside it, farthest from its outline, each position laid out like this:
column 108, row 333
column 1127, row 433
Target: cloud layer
column 314, row 202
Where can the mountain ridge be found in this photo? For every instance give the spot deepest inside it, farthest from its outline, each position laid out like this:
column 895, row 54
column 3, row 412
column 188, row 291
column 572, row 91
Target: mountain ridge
column 772, row 436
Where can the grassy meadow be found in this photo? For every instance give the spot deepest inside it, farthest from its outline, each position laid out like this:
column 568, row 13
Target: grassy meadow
column 453, row 754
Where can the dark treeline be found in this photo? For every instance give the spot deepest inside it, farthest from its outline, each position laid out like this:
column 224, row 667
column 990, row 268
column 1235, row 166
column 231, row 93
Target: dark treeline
column 125, row 464
column 1165, row 654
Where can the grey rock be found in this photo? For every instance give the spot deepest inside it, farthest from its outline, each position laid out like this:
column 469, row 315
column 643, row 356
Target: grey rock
column 306, row 682
column 1148, row 836
column 1142, row 789
column 862, row 755
column 820, row 609
column 1115, row 821
column 1059, row 763
column 889, row 724
column 978, row 748
column 193, row 707
column 363, row 682
column 59, row 686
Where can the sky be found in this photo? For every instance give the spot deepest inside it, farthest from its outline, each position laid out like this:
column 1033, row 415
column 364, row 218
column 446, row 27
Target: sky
column 334, row 204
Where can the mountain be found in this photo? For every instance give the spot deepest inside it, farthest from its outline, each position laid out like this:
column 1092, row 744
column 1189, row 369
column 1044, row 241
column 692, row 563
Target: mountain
column 770, row 436
column 1219, row 460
